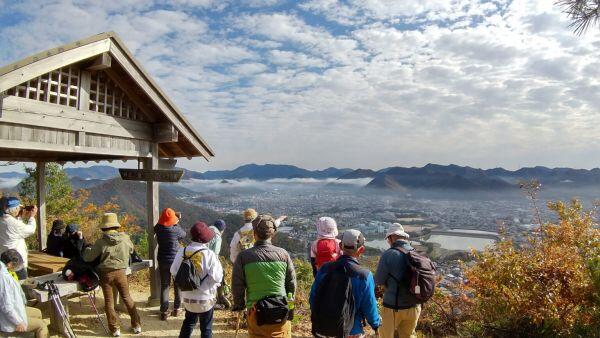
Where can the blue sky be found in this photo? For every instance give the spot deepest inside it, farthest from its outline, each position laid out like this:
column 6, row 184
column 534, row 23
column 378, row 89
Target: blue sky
column 356, row 83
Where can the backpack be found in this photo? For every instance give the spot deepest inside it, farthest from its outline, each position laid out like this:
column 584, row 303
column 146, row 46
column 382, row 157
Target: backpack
column 187, row 277
column 246, row 239
column 327, row 251
column 333, row 310
column 83, row 272
column 420, row 276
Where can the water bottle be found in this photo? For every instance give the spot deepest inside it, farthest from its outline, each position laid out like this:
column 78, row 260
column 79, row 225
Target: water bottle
column 291, row 305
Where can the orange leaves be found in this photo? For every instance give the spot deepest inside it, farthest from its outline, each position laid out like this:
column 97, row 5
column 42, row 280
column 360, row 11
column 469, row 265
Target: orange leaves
column 546, row 284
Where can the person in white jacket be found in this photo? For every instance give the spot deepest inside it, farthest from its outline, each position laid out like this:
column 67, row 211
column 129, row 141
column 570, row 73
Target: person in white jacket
column 244, row 238
column 14, row 230
column 199, row 304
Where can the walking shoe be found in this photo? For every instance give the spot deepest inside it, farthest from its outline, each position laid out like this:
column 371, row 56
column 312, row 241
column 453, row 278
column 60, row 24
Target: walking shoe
column 136, row 330
column 176, row 312
column 164, row 315
column 116, row 333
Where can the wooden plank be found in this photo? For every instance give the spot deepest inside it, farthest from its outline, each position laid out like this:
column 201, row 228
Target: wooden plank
column 101, row 62
column 165, row 133
column 41, row 204
column 53, row 62
column 152, row 175
column 152, row 208
column 35, row 113
column 84, row 91
column 70, row 150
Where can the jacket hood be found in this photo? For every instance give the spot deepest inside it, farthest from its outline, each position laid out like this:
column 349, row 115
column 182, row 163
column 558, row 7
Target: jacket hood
column 113, row 237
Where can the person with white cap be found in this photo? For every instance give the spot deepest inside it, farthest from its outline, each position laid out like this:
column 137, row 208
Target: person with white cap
column 400, row 313
column 331, row 314
column 327, row 247
column 17, row 224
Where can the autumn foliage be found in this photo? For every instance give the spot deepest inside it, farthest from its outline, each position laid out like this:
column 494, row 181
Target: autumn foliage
column 550, row 286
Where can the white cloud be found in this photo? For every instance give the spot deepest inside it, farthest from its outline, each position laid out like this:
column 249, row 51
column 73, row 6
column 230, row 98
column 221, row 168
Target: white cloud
column 357, row 83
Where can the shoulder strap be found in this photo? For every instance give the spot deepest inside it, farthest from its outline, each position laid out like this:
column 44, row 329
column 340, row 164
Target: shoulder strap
column 192, row 255
column 401, row 249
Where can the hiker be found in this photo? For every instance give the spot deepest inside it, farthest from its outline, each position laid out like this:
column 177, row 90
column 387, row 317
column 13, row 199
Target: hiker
column 330, row 292
column 400, row 313
column 74, row 243
column 15, row 316
column 199, row 303
column 17, row 224
column 114, row 249
column 168, row 236
column 55, row 241
column 327, row 247
column 244, row 238
column 263, row 276
column 215, row 246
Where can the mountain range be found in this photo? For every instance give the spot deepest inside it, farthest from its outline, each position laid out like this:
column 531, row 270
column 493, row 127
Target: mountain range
column 431, row 176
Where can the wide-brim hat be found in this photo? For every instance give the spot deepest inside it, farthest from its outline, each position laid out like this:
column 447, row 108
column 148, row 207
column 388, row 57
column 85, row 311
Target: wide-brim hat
column 109, row 220
column 168, row 217
column 250, row 214
column 396, row 229
column 264, row 225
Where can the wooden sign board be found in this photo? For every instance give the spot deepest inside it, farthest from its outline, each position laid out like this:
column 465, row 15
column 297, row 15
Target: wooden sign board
column 151, row 175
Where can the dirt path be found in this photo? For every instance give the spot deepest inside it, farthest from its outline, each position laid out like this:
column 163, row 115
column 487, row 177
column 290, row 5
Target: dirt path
column 84, row 322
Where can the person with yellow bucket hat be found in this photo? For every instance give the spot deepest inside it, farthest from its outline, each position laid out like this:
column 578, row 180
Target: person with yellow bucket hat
column 113, row 250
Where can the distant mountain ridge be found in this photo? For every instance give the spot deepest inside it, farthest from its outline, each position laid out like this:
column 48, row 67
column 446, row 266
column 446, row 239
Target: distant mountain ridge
column 430, row 176
column 273, row 171
column 454, row 177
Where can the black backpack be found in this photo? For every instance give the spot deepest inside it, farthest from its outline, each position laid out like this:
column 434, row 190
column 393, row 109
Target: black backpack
column 187, row 277
column 333, row 308
column 420, row 276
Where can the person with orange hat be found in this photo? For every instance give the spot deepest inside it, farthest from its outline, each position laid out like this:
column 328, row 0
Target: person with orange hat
column 168, row 235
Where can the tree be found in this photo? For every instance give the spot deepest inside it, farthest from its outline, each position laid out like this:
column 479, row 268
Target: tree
column 59, row 191
column 583, row 13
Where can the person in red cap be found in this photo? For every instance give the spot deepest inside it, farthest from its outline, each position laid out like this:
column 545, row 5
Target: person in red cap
column 168, row 236
column 199, row 303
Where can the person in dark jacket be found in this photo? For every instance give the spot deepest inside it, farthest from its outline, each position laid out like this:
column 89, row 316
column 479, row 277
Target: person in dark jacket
column 363, row 285
column 56, row 240
column 74, row 243
column 168, row 234
column 400, row 314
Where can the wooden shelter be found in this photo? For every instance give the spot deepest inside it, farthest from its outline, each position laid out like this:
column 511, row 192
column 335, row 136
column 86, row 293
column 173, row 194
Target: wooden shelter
column 90, row 100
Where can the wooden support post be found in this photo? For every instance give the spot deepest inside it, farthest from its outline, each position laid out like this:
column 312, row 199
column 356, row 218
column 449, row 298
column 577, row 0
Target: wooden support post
column 41, row 204
column 152, row 218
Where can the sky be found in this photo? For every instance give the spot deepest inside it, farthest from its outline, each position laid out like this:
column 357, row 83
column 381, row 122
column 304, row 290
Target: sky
column 356, row 83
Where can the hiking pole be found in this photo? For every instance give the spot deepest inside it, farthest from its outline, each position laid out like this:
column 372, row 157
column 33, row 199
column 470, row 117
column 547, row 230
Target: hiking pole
column 237, row 325
column 93, row 301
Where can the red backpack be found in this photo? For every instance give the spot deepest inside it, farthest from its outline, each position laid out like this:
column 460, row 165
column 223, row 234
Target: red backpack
column 327, row 251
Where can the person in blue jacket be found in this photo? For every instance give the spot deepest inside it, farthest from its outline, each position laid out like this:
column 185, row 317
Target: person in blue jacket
column 363, row 285
column 168, row 236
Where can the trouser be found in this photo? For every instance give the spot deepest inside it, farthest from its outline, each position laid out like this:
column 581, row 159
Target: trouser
column 283, row 330
column 191, row 318
column 22, row 274
column 118, row 279
column 403, row 321
column 35, row 323
column 165, row 283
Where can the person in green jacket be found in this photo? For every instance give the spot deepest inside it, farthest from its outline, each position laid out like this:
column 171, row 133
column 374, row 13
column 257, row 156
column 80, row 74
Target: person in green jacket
column 113, row 250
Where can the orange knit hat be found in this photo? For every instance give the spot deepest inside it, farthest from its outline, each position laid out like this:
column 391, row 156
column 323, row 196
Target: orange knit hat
column 168, row 218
